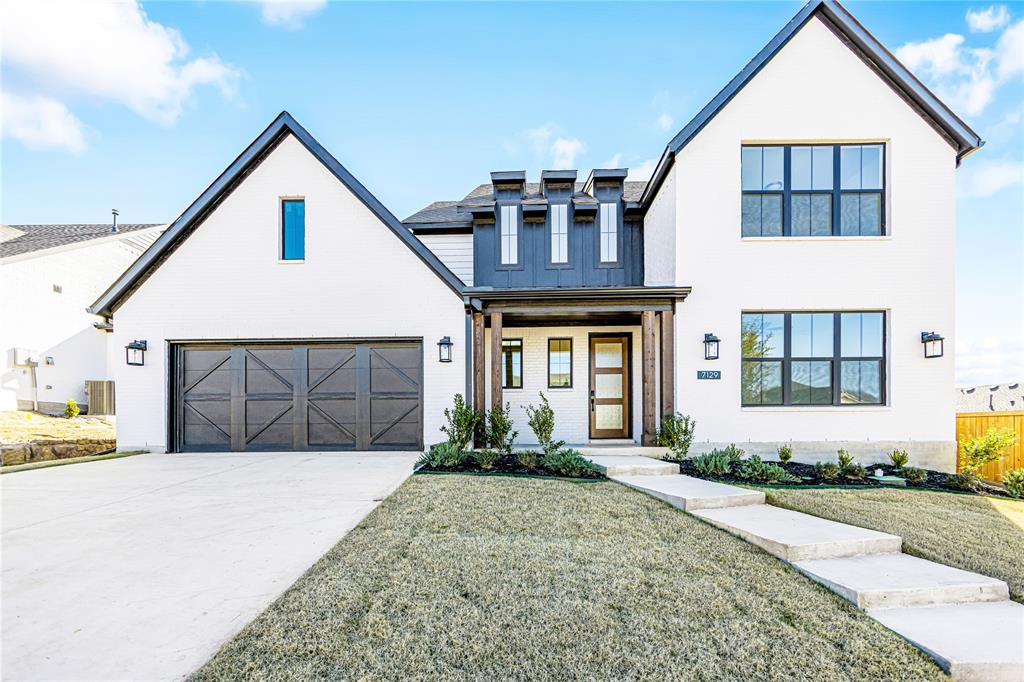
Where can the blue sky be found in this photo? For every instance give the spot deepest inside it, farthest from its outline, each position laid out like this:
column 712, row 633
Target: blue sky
column 140, row 107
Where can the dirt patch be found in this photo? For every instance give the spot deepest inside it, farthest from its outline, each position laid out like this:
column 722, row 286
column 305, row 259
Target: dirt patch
column 24, row 427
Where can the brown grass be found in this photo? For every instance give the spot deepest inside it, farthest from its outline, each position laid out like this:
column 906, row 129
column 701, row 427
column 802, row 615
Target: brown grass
column 975, row 533
column 463, row 577
column 20, row 427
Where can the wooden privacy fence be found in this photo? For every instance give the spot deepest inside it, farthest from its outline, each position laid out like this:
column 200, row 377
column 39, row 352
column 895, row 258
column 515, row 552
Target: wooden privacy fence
column 977, row 423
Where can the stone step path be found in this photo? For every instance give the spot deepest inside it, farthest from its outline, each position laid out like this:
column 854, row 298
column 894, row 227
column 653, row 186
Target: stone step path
column 963, row 620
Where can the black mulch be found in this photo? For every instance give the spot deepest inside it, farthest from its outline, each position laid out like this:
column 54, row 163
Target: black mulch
column 505, row 464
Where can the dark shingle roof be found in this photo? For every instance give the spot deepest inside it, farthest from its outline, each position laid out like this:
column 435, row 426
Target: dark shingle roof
column 448, row 211
column 19, row 239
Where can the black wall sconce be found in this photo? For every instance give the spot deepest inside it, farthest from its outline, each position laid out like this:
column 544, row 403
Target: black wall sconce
column 444, row 349
column 932, row 344
column 710, row 347
column 135, row 353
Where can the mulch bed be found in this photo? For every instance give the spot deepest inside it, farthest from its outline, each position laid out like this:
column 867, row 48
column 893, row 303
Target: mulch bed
column 936, row 480
column 505, row 464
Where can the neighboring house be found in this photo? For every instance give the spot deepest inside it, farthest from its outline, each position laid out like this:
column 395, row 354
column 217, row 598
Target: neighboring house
column 805, row 218
column 49, row 274
column 1000, row 398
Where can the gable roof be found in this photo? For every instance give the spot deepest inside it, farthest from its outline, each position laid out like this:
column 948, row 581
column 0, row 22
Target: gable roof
column 18, row 240
column 867, row 47
column 226, row 182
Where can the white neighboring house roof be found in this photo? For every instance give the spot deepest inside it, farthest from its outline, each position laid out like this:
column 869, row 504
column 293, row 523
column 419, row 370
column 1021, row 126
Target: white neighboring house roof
column 998, row 398
column 20, row 242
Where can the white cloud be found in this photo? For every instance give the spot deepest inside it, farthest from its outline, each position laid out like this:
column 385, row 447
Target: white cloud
column 109, row 51
column 664, row 121
column 989, row 361
column 613, row 162
column 565, row 150
column 644, row 171
column 41, row 122
column 546, row 146
column 288, row 13
column 1010, row 52
column 988, row 19
column 983, row 179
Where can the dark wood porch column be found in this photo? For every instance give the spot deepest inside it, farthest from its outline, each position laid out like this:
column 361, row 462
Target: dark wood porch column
column 668, row 363
column 647, row 375
column 495, row 360
column 479, row 375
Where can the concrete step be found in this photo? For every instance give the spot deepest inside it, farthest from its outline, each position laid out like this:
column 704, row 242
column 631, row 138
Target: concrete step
column 898, row 581
column 971, row 642
column 631, row 465
column 793, row 536
column 688, row 493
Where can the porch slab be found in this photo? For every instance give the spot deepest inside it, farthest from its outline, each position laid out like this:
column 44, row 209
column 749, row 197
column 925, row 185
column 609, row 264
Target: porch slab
column 971, row 642
column 793, row 536
column 627, row 449
column 900, row 581
column 689, row 493
column 631, row 465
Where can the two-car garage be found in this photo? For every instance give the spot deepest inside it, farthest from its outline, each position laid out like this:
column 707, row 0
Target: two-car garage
column 297, row 396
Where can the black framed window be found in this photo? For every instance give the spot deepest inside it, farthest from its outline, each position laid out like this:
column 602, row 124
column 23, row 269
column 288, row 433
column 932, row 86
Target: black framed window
column 559, row 363
column 609, row 233
column 812, row 190
column 559, row 233
column 512, row 363
column 813, row 358
column 509, row 234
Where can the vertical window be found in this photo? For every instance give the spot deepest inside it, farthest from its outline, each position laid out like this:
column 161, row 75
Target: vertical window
column 293, row 229
column 762, row 170
column 861, row 189
column 821, row 358
column 812, row 169
column 559, row 233
column 609, row 233
column 559, row 363
column 512, row 363
column 509, row 235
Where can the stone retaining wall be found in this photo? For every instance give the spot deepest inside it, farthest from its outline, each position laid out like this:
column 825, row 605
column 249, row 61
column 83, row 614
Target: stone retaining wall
column 44, row 450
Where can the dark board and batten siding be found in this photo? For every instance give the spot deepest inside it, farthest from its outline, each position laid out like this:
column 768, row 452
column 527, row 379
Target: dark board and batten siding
column 298, row 396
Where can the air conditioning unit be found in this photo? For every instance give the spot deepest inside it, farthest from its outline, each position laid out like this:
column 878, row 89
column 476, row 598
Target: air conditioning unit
column 21, row 357
column 100, row 395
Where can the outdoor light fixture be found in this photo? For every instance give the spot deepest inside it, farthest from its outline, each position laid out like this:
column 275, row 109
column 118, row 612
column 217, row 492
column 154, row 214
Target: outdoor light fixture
column 932, row 344
column 710, row 347
column 444, row 349
column 135, row 353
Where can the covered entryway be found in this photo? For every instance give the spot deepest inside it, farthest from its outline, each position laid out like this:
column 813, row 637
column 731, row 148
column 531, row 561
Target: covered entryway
column 298, row 396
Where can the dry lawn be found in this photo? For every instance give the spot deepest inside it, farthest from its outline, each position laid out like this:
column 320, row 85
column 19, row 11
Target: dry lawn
column 975, row 533
column 464, row 577
column 21, row 427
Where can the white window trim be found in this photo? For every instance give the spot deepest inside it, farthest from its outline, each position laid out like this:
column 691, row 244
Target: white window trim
column 510, row 225
column 609, row 209
column 561, row 236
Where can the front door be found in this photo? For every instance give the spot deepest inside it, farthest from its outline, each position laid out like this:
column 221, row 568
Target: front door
column 609, row 386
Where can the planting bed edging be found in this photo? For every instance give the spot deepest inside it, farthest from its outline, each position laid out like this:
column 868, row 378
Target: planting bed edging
column 47, row 449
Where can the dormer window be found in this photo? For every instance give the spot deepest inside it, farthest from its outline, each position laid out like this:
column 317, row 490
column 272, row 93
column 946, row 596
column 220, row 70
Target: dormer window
column 559, row 233
column 510, row 235
column 609, row 233
column 293, row 229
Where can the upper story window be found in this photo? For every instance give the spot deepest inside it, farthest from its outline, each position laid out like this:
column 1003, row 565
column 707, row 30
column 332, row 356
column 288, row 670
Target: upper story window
column 293, row 229
column 559, row 233
column 509, row 235
column 609, row 233
column 813, row 190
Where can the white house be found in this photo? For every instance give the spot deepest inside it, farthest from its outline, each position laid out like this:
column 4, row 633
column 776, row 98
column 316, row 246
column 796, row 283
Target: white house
column 49, row 274
column 775, row 279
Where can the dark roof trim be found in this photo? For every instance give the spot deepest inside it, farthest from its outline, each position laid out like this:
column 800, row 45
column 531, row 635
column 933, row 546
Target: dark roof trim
column 225, row 183
column 508, row 176
column 558, row 176
column 605, row 174
column 460, row 226
column 594, row 293
column 960, row 135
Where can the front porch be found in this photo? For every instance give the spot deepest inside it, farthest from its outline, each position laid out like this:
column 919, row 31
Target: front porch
column 604, row 358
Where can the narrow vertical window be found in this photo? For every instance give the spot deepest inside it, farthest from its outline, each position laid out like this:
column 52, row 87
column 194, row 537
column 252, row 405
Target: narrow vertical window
column 512, row 363
column 861, row 190
column 609, row 233
column 509, row 235
column 762, row 171
column 293, row 229
column 559, row 233
column 559, row 363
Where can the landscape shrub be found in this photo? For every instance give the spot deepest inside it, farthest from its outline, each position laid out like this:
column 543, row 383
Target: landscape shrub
column 569, row 463
column 854, row 471
column 542, row 421
column 444, row 455
column 977, row 451
column 499, row 429
column 961, row 481
column 845, row 459
column 914, row 475
column 71, row 409
column 676, row 434
column 462, row 421
column 785, row 453
column 827, row 471
column 485, row 458
column 899, row 458
column 1013, row 481
column 527, row 458
column 715, row 463
column 755, row 469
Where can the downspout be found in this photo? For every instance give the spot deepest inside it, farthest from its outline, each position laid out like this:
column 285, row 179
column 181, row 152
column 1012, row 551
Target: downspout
column 469, row 352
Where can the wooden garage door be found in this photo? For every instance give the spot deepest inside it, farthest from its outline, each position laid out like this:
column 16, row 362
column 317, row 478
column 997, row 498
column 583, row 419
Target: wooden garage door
column 338, row 396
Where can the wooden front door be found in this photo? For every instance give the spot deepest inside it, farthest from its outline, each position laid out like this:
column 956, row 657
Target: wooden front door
column 609, row 386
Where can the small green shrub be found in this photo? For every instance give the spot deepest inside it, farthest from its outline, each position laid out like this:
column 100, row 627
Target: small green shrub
column 499, row 429
column 714, row 463
column 978, row 451
column 485, row 458
column 854, row 471
column 785, row 454
column 731, row 453
column 827, row 471
column 899, row 458
column 914, row 475
column 569, row 463
column 961, row 481
column 542, row 421
column 845, row 459
column 527, row 458
column 71, row 409
column 445, row 455
column 462, row 421
column 755, row 469
column 676, row 434
column 1013, row 481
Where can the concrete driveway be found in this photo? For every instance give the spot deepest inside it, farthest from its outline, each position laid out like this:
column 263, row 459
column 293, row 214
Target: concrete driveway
column 140, row 568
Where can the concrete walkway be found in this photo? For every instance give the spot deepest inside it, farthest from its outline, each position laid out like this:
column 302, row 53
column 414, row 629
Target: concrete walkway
column 963, row 620
column 140, row 568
